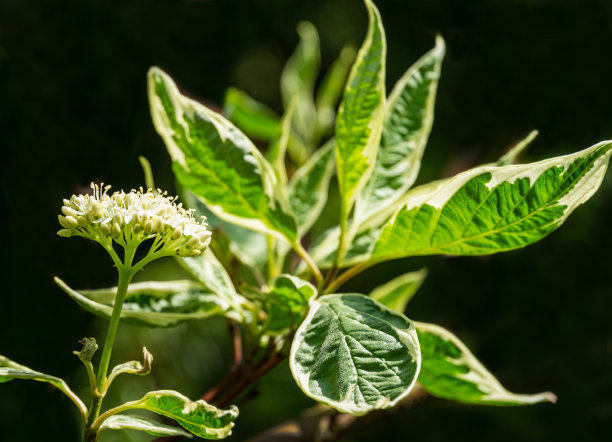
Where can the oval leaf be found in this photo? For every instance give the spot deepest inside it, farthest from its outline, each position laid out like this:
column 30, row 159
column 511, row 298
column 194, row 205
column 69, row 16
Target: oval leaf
column 122, row 422
column 355, row 354
column 217, row 162
column 154, row 303
column 198, row 417
column 449, row 370
column 493, row 209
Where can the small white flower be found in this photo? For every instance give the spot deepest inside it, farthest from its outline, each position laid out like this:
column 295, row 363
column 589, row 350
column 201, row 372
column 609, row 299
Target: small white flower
column 134, row 217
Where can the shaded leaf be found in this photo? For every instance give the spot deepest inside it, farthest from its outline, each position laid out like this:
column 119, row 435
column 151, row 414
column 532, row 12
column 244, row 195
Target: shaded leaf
column 511, row 156
column 132, row 367
column 123, row 422
column 153, row 303
column 287, row 302
column 355, row 354
column 397, row 293
column 10, row 370
column 309, row 187
column 449, row 370
column 331, row 87
column 217, row 162
column 252, row 117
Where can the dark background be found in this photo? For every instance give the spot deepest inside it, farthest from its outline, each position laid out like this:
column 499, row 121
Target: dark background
column 73, row 108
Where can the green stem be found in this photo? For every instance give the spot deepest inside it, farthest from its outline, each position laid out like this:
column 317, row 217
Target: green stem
column 309, row 261
column 125, row 276
column 343, row 278
column 271, row 260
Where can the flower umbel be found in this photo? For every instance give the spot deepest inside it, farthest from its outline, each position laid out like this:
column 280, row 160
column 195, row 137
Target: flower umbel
column 134, row 217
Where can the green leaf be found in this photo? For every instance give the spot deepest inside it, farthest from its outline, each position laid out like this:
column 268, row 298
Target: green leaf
column 309, row 186
column 297, row 84
column 198, row 417
column 408, row 120
column 123, row 422
column 493, row 209
column 10, row 370
column 252, row 117
column 209, row 272
column 287, row 300
column 325, row 248
column 331, row 88
column 132, row 367
column 217, row 162
column 360, row 116
column 449, row 370
column 397, row 293
column 355, row 354
column 153, row 303
column 511, row 156
column 248, row 246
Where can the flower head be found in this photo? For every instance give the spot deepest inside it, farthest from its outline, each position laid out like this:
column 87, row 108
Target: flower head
column 131, row 218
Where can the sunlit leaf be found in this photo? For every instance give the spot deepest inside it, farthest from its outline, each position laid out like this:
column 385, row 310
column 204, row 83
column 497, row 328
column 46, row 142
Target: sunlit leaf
column 123, row 422
column 397, row 293
column 355, row 354
column 198, row 417
column 360, row 116
column 288, row 299
column 493, row 209
column 217, row 162
column 153, row 303
column 252, row 117
column 449, row 370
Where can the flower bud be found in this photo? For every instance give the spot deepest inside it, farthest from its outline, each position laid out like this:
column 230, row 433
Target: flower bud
column 116, row 230
column 66, row 233
column 105, row 228
column 118, row 219
column 69, row 212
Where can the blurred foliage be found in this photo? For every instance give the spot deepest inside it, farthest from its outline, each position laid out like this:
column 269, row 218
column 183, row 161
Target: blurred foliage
column 74, row 108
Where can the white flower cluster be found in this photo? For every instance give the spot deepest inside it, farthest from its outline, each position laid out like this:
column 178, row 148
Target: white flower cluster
column 130, row 218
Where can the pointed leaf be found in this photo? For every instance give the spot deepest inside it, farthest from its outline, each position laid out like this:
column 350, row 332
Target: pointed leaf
column 517, row 149
column 123, row 422
column 408, row 121
column 10, row 370
column 297, row 85
column 449, row 370
column 309, row 187
column 355, row 354
column 252, row 117
column 287, row 299
column 153, row 303
column 493, row 209
column 397, row 293
column 217, row 162
column 360, row 117
column 330, row 90
column 198, row 417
